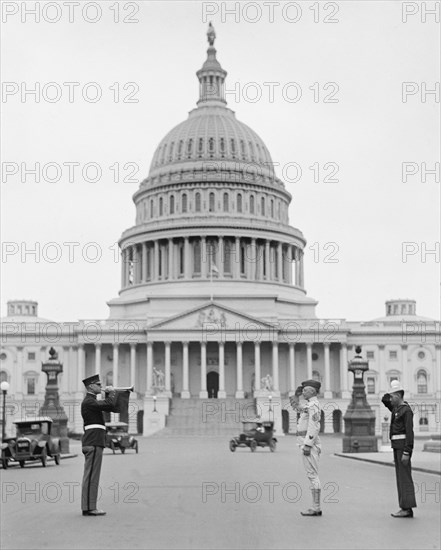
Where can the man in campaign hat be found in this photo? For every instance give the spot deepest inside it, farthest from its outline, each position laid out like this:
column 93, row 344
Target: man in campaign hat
column 401, row 436
column 94, row 441
column 308, row 428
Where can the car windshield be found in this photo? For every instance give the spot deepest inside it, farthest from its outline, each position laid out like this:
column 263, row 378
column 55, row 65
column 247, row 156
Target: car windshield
column 31, row 429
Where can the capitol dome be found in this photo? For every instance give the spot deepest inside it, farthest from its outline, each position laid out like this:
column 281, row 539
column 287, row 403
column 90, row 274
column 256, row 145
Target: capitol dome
column 212, row 203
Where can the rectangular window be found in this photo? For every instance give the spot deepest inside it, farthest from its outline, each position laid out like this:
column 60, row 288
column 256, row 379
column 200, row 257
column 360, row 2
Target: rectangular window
column 393, row 355
column 31, row 356
column 370, row 355
column 370, row 385
column 30, row 386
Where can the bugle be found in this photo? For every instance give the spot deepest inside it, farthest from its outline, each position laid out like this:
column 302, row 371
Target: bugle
column 131, row 388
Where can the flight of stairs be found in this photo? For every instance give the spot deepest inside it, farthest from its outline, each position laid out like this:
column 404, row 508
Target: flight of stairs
column 205, row 417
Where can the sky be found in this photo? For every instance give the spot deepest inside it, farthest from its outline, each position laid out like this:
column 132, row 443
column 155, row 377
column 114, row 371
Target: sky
column 342, row 87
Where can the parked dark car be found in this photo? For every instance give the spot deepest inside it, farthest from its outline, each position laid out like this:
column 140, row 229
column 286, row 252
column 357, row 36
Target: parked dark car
column 255, row 434
column 33, row 441
column 118, row 437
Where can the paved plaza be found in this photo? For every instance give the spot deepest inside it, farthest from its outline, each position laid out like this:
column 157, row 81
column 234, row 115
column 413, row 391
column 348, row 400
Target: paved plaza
column 194, row 493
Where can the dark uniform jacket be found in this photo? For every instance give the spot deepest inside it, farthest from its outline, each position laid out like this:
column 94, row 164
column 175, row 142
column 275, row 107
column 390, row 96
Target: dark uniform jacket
column 401, row 424
column 92, row 413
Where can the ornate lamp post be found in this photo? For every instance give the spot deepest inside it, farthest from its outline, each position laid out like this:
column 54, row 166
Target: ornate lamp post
column 359, row 418
column 4, row 387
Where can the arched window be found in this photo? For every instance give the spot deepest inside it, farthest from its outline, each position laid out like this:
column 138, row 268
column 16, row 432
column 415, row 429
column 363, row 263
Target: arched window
column 200, row 147
column 211, row 203
column 198, row 202
column 227, row 256
column 163, row 153
column 242, row 149
column 180, row 145
column 239, row 202
column 252, row 204
column 152, row 208
column 161, row 206
column 211, row 147
column 172, row 204
column 250, row 145
column 262, row 206
column 422, row 381
column 272, row 208
column 170, row 153
column 184, row 202
column 233, row 148
column 222, row 147
column 3, row 376
column 189, row 148
column 225, row 202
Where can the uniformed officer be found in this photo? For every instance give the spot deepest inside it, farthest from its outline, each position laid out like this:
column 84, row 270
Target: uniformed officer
column 308, row 428
column 94, row 441
column 401, row 436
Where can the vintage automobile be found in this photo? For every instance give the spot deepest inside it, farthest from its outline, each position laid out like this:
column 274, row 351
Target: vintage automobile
column 118, row 437
column 33, row 441
column 255, row 434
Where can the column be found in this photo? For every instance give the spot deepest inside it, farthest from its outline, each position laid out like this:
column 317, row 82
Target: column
column 405, row 369
column 221, row 394
column 257, row 373
column 292, row 367
column 167, row 367
column 220, row 258
column 204, row 267
column 239, row 374
column 301, row 272
column 267, row 260
column 144, row 262
column 148, row 388
column 276, row 366
column 123, row 269
column 309, row 361
column 436, row 377
column 289, row 265
column 327, row 392
column 279, row 263
column 344, row 372
column 155, row 274
column 383, row 379
column 297, row 266
column 115, row 364
column 20, row 373
column 98, row 360
column 171, row 267
column 237, row 258
column 253, row 260
column 187, row 258
column 81, row 367
column 185, row 394
column 127, row 266
column 203, row 394
column 132, row 364
column 135, row 264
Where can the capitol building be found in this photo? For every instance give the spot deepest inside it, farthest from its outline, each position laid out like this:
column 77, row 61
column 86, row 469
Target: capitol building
column 213, row 305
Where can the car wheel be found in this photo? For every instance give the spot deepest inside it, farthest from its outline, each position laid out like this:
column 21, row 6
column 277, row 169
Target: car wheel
column 272, row 445
column 22, row 463
column 232, row 446
column 253, row 445
column 123, row 450
column 43, row 458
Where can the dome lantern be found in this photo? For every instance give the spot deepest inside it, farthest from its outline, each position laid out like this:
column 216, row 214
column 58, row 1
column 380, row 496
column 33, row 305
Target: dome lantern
column 211, row 76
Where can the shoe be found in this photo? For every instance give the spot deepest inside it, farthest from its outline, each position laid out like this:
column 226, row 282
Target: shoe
column 311, row 512
column 403, row 514
column 94, row 513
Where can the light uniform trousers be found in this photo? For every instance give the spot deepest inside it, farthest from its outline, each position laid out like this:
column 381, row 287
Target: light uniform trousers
column 311, row 464
column 91, row 478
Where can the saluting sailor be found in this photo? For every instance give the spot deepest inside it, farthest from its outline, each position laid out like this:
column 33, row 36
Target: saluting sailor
column 308, row 440
column 401, row 436
column 94, row 441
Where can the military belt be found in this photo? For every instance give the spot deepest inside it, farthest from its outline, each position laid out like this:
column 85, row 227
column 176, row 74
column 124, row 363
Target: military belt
column 398, row 436
column 91, row 426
